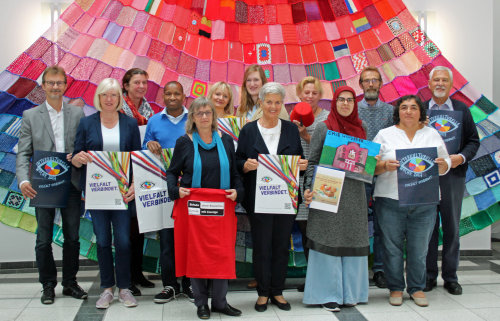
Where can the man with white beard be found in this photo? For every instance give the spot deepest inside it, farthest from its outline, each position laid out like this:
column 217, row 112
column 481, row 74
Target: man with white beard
column 376, row 115
column 452, row 185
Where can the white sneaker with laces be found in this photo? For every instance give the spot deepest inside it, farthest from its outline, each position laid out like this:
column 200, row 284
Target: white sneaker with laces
column 105, row 299
column 127, row 298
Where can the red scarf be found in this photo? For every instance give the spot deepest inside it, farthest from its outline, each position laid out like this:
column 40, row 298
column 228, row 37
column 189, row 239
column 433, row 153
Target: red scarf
column 141, row 120
column 350, row 125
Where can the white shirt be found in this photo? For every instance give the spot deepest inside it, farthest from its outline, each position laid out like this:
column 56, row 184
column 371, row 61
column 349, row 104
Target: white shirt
column 111, row 138
column 57, row 122
column 271, row 137
column 393, row 138
column 175, row 120
column 446, row 106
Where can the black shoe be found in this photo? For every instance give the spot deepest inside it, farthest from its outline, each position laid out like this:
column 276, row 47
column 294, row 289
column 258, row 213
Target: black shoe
column 281, row 306
column 142, row 281
column 48, row 294
column 260, row 307
column 188, row 292
column 379, row 279
column 203, row 312
column 166, row 295
column 331, row 306
column 75, row 291
column 453, row 288
column 301, row 287
column 429, row 285
column 227, row 310
column 134, row 290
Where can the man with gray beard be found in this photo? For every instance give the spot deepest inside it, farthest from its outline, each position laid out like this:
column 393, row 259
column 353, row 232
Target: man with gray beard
column 376, row 115
column 451, row 185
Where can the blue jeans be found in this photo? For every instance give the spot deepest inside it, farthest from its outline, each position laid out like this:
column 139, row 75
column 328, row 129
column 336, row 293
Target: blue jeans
column 413, row 224
column 102, row 221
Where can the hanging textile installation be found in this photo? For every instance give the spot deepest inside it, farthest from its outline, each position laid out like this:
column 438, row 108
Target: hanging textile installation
column 199, row 42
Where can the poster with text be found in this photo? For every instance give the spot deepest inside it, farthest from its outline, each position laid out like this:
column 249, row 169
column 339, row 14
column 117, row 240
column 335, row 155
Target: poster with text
column 354, row 156
column 107, row 180
column 51, row 179
column 154, row 206
column 449, row 125
column 418, row 176
column 327, row 188
column 232, row 126
column 277, row 187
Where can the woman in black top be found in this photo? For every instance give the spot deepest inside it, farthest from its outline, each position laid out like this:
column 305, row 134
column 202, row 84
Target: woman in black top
column 204, row 158
column 270, row 232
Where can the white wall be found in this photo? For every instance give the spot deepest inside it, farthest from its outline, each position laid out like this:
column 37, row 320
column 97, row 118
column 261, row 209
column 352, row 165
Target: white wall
column 461, row 30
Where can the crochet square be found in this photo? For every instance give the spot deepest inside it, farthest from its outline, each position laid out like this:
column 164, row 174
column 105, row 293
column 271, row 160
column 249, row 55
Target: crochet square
column 431, row 49
column 483, row 165
column 14, row 200
column 492, row 179
column 316, row 70
column 486, row 105
column 263, row 54
column 199, row 88
column 331, row 71
column 397, row 47
column 396, row 26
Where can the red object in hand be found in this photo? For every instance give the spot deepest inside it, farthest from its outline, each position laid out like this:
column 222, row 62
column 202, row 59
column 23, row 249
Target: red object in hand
column 303, row 113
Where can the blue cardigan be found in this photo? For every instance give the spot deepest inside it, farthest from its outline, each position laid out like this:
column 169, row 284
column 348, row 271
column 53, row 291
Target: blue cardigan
column 89, row 136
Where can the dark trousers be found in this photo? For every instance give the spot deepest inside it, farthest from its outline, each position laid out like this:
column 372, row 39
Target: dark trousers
column 271, row 240
column 303, row 229
column 167, row 260
column 71, row 247
column 136, row 246
column 105, row 221
column 219, row 291
column 449, row 211
column 378, row 264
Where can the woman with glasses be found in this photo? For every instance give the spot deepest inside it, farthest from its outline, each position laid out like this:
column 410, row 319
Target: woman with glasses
column 109, row 130
column 204, row 158
column 337, row 271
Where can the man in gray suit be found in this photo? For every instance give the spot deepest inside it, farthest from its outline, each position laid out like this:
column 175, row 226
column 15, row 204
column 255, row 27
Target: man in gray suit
column 52, row 127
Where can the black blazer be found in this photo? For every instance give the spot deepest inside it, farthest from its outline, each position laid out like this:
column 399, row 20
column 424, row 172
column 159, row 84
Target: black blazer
column 89, row 136
column 251, row 144
column 469, row 143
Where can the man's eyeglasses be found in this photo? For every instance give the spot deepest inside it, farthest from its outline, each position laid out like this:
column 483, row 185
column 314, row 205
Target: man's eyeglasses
column 53, row 83
column 370, row 81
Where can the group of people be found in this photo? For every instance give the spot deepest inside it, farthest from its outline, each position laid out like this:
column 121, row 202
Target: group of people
column 205, row 162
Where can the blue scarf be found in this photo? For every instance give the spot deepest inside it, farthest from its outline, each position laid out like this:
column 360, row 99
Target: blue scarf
column 223, row 161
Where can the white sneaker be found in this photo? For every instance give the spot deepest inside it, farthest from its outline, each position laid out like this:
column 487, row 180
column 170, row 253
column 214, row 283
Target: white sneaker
column 127, row 298
column 105, row 299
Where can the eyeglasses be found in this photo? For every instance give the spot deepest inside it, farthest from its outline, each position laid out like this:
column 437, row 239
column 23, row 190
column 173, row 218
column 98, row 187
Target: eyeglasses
column 370, row 81
column 53, row 83
column 114, row 96
column 343, row 100
column 200, row 114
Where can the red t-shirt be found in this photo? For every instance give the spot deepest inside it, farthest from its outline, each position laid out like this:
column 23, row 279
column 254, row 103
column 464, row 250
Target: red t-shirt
column 205, row 235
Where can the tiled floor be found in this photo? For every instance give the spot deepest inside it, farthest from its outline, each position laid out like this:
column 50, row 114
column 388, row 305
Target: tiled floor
column 479, row 276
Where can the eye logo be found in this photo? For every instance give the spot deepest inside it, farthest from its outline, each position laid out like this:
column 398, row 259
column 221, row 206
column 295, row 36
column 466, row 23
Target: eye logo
column 443, row 124
column 416, row 164
column 147, row 185
column 51, row 167
column 266, row 179
column 96, row 176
